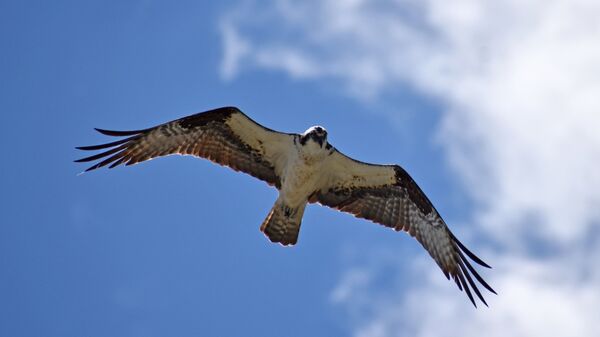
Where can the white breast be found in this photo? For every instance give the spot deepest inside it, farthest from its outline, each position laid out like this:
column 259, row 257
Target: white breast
column 303, row 173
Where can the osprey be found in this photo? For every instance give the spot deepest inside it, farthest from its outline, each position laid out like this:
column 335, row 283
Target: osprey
column 305, row 168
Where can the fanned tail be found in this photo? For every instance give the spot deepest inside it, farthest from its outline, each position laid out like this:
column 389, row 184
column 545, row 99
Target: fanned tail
column 282, row 224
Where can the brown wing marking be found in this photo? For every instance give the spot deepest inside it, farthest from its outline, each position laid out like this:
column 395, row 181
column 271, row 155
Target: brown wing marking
column 206, row 135
column 404, row 206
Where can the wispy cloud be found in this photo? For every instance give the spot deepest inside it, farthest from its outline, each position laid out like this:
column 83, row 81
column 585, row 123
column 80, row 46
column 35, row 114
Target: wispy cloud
column 235, row 48
column 538, row 297
column 520, row 83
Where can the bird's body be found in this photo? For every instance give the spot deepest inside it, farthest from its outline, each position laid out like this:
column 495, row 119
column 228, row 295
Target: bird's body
column 305, row 168
column 302, row 177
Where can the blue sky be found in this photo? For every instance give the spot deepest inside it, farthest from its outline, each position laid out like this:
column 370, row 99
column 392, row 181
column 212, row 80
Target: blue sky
column 172, row 246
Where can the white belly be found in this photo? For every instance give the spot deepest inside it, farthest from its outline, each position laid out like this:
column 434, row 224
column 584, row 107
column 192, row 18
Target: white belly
column 302, row 177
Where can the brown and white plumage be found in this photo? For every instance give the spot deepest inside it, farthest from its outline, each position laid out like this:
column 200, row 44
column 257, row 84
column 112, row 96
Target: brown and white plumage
column 304, row 168
column 387, row 195
column 225, row 136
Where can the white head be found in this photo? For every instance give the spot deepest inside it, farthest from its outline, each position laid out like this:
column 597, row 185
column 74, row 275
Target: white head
column 316, row 133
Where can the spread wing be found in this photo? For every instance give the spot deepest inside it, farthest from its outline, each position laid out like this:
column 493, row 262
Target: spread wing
column 387, row 195
column 225, row 136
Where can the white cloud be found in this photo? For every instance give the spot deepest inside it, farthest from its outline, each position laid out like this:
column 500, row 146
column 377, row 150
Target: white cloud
column 521, row 84
column 534, row 300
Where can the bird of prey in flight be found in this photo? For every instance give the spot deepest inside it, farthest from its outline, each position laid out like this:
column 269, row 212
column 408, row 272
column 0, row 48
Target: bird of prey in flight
column 305, row 168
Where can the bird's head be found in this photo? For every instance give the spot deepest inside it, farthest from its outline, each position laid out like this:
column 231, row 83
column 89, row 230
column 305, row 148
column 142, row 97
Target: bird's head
column 315, row 133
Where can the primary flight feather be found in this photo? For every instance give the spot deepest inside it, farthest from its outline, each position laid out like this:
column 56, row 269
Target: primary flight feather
column 304, row 168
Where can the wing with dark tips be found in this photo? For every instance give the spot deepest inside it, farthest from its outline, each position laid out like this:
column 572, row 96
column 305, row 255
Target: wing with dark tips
column 387, row 195
column 225, row 136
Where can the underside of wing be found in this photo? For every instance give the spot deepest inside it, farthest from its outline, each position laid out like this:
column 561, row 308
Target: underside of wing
column 387, row 195
column 225, row 136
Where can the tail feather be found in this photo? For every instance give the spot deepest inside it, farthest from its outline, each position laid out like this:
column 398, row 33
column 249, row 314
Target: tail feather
column 282, row 225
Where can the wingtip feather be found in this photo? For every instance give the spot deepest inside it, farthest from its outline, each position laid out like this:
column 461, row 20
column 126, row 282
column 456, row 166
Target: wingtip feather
column 469, row 253
column 476, row 274
column 119, row 133
column 467, row 290
column 466, row 269
column 471, row 282
column 105, row 145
